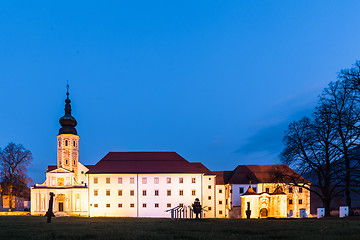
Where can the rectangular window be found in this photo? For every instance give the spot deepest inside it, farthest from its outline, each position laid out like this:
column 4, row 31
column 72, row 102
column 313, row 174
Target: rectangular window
column 209, row 208
column 107, row 192
column 168, row 180
column 95, row 180
column 220, row 202
column 290, row 202
column 220, row 190
column 144, row 192
column 108, row 205
column 193, row 180
column 96, row 205
column 132, row 205
column 209, row 197
column 132, row 180
column 300, row 190
column 300, row 201
column 131, row 192
column 290, row 189
column 230, row 190
column 193, row 192
column 119, row 192
column 220, row 212
column 96, row 192
column 267, row 190
column 169, row 192
column 209, row 187
column 144, row 205
column 120, row 180
column 181, row 180
column 168, row 205
column 181, row 205
column 107, row 180
column 120, row 205
column 156, row 205
column 156, row 192
column 156, row 180
column 181, row 192
column 144, row 180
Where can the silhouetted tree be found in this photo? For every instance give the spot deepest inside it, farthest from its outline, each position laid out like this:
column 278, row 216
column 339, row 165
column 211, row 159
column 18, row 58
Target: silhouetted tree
column 14, row 160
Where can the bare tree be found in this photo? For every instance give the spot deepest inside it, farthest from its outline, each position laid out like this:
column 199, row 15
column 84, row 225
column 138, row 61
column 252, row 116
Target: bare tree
column 308, row 150
column 14, row 160
column 341, row 104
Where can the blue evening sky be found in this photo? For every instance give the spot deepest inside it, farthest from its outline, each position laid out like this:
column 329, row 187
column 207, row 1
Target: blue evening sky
column 216, row 81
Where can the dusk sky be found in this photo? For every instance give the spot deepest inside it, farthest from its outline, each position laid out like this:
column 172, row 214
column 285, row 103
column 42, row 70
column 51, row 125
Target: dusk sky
column 216, row 81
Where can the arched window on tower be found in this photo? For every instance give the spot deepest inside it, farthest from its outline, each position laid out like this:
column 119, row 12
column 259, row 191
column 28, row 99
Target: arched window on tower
column 66, row 162
column 74, row 162
column 59, row 143
column 66, row 142
column 74, row 144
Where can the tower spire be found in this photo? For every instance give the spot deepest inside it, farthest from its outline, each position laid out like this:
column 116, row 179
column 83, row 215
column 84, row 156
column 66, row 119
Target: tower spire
column 68, row 122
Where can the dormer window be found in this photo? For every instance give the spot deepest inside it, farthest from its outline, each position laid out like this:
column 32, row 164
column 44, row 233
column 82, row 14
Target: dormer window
column 66, row 142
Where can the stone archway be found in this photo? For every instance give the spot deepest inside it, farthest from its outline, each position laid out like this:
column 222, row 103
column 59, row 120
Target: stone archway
column 264, row 213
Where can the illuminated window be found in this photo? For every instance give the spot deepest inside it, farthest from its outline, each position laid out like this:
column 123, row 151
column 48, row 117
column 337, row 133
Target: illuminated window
column 132, row 180
column 168, row 180
column 267, row 190
column 107, row 192
column 119, row 192
column 181, row 205
column 131, row 192
column 241, row 190
column 95, row 180
column 156, row 192
column 220, row 202
column 220, row 190
column 290, row 190
column 156, row 180
column 193, row 180
column 119, row 180
column 220, row 212
column 96, row 205
column 169, row 192
column 108, row 205
column 193, row 192
column 144, row 205
column 209, row 197
column 144, row 180
column 300, row 190
column 209, row 187
column 168, row 205
column 181, row 192
column 132, row 205
column 156, row 205
column 144, row 192
column 96, row 193
column 300, row 201
column 66, row 142
column 290, row 202
column 120, row 205
column 108, row 180
column 181, row 180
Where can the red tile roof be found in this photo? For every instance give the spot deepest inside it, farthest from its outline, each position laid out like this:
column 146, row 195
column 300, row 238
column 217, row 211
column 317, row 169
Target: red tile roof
column 146, row 162
column 243, row 174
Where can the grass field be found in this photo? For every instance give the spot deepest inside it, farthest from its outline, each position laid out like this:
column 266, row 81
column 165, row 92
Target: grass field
column 30, row 227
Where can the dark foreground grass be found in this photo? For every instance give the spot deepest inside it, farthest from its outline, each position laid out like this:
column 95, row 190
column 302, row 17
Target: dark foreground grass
column 30, row 227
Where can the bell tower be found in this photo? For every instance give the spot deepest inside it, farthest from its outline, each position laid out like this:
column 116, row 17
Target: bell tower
column 68, row 140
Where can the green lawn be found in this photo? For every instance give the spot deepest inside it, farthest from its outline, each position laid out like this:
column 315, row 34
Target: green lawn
column 29, row 227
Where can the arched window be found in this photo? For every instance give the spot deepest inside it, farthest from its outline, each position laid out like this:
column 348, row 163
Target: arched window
column 74, row 144
column 59, row 143
column 66, row 162
column 66, row 142
column 74, row 162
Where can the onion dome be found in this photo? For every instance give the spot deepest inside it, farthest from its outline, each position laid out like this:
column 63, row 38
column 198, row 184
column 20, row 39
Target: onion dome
column 67, row 122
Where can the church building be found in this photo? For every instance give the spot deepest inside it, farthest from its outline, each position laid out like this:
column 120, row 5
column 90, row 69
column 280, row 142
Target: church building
column 146, row 184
